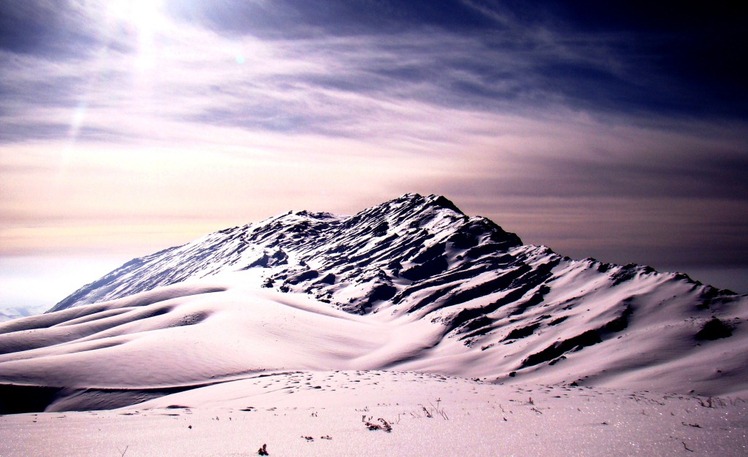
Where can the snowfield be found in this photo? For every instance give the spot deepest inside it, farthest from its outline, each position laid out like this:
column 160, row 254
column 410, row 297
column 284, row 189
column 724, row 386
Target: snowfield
column 408, row 329
column 325, row 413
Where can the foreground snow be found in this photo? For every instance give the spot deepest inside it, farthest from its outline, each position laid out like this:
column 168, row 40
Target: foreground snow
column 326, row 413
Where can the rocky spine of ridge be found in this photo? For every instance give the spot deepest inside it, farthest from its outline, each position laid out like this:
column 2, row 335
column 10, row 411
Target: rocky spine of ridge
column 403, row 239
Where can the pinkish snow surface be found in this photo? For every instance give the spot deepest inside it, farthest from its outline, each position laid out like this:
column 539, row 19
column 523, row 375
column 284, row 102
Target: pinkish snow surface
column 324, row 413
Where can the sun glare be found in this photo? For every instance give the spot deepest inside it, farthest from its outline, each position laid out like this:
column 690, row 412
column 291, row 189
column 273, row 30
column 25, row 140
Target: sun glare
column 137, row 12
column 145, row 18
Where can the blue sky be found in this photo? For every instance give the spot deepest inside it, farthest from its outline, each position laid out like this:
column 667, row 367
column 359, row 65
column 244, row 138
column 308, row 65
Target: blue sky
column 617, row 130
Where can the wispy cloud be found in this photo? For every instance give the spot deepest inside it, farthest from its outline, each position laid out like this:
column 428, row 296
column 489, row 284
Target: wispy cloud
column 223, row 116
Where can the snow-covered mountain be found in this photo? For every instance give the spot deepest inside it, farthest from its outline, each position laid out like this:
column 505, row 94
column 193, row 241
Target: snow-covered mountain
column 412, row 284
column 356, row 262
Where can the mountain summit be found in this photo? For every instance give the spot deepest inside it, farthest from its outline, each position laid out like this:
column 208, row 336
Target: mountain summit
column 411, row 238
column 412, row 284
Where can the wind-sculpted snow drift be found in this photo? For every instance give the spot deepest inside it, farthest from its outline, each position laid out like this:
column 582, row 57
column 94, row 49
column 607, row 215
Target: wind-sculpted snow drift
column 410, row 285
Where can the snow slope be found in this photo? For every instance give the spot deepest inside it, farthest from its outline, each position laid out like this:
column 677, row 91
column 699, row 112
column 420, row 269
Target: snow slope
column 325, row 413
column 189, row 335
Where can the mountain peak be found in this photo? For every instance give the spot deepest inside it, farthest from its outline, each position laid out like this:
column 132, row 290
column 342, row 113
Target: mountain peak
column 408, row 238
column 418, row 203
column 461, row 295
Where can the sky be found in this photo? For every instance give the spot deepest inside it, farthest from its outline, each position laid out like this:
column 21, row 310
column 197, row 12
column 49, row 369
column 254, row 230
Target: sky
column 615, row 130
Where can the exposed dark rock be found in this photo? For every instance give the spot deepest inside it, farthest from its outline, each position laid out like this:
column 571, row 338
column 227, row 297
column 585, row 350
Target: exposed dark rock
column 714, row 329
column 329, row 278
column 621, row 322
column 427, row 269
column 557, row 321
column 381, row 229
column 304, row 276
column 558, row 348
column 522, row 332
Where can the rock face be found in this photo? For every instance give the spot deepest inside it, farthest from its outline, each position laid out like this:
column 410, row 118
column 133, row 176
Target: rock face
column 435, row 289
column 381, row 251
